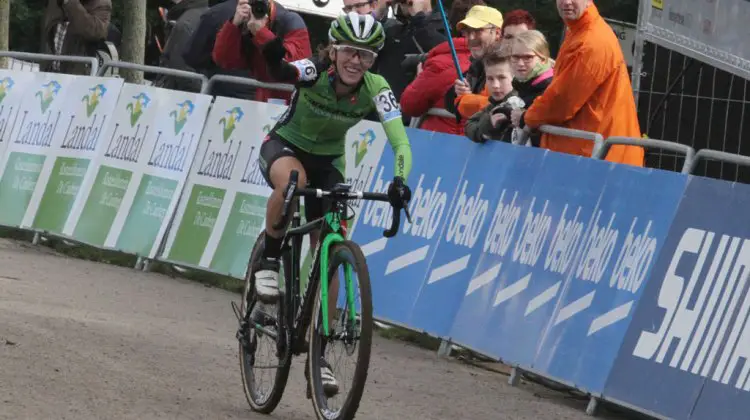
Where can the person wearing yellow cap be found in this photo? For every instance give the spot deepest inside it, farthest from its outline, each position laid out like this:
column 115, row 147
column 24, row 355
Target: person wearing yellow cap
column 482, row 29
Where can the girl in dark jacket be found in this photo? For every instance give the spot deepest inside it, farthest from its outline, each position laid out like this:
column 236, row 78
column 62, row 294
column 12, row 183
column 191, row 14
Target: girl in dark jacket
column 532, row 67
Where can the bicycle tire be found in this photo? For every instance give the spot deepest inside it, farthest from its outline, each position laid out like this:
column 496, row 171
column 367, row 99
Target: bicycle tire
column 282, row 372
column 343, row 252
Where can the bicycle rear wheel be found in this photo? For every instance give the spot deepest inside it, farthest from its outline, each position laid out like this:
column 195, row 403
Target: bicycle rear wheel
column 252, row 367
column 352, row 331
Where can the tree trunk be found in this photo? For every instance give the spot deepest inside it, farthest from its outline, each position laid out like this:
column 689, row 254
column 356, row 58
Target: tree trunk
column 133, row 37
column 4, row 30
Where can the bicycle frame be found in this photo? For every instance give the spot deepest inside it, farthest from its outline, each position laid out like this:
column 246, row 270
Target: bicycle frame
column 299, row 307
column 331, row 233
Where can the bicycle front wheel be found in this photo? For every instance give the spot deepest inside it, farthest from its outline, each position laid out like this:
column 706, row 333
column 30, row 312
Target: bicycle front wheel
column 263, row 366
column 334, row 396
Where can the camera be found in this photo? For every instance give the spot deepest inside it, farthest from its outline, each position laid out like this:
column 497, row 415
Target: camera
column 259, row 8
column 411, row 61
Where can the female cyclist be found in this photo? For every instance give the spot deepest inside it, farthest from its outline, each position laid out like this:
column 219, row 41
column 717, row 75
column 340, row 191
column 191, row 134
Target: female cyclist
column 334, row 92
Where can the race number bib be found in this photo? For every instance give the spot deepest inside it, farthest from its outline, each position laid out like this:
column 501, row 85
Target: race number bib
column 387, row 106
column 306, row 70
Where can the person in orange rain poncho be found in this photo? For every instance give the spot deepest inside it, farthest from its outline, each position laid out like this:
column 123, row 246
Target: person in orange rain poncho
column 590, row 90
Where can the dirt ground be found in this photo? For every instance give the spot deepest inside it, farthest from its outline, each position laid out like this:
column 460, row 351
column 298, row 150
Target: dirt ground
column 82, row 340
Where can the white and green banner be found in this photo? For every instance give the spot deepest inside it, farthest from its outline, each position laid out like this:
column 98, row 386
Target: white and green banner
column 76, row 140
column 140, row 169
column 26, row 157
column 224, row 205
column 223, row 208
column 14, row 87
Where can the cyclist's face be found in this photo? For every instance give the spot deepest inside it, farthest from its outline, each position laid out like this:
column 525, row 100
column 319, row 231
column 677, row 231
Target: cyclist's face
column 352, row 62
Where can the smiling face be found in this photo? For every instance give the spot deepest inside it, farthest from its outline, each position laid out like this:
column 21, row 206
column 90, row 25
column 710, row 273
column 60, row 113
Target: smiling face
column 572, row 9
column 480, row 40
column 352, row 62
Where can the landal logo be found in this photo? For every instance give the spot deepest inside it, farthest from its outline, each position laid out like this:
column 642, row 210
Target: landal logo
column 137, row 107
column 47, row 94
column 6, row 84
column 92, row 99
column 181, row 114
column 360, row 146
column 267, row 127
column 230, row 123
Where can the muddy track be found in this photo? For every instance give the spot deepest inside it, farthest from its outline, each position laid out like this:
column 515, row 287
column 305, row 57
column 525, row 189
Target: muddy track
column 83, row 340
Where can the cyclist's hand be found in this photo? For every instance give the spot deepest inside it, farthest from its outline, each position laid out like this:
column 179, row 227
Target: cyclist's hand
column 398, row 192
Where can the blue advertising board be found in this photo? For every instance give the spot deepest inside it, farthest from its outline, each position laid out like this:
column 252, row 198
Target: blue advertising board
column 398, row 265
column 686, row 353
column 615, row 251
column 461, row 242
column 484, row 315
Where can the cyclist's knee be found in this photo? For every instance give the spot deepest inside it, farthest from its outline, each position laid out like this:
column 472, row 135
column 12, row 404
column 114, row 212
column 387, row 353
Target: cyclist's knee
column 281, row 172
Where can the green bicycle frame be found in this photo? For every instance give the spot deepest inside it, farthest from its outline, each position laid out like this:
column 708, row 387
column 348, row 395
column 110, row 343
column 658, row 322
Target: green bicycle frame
column 334, row 222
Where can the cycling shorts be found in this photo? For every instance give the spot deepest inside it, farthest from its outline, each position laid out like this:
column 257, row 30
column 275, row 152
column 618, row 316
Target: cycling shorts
column 323, row 171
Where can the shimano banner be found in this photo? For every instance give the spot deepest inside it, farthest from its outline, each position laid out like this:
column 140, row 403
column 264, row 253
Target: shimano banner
column 687, row 351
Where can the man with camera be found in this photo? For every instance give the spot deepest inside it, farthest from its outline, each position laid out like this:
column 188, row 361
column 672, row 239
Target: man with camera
column 416, row 29
column 239, row 43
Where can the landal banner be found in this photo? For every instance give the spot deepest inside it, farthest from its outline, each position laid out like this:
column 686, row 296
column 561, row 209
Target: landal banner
column 139, row 171
column 25, row 159
column 224, row 205
column 76, row 141
column 14, row 87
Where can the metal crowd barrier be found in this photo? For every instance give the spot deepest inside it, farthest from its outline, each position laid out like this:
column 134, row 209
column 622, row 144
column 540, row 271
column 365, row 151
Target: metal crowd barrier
column 246, row 81
column 34, row 57
column 710, row 154
column 688, row 151
column 157, row 70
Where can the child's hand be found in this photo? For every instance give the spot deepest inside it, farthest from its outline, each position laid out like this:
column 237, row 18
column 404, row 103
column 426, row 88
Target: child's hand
column 498, row 118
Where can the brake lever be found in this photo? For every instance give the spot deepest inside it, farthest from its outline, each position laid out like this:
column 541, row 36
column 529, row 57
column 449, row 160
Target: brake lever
column 406, row 210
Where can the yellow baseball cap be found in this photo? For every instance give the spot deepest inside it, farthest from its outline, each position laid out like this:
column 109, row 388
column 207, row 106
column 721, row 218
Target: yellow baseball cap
column 481, row 16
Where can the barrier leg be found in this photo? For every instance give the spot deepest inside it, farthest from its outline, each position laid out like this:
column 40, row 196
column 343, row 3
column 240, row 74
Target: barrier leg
column 515, row 376
column 593, row 404
column 445, row 348
column 146, row 265
column 37, row 238
column 138, row 263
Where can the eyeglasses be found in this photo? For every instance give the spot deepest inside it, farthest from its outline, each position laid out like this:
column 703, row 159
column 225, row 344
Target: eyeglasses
column 356, row 6
column 366, row 57
column 523, row 57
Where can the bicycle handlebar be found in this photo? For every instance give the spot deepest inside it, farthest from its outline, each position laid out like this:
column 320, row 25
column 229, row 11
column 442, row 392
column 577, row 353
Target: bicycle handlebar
column 292, row 191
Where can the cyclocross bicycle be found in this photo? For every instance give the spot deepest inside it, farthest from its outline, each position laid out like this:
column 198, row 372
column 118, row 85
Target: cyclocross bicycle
column 287, row 329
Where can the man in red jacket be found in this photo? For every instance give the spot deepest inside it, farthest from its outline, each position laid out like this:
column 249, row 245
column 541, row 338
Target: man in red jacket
column 240, row 41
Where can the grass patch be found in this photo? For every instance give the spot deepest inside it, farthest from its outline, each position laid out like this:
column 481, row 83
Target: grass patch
column 402, row 334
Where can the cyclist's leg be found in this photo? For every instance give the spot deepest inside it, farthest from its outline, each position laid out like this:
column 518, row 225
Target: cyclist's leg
column 277, row 160
column 325, row 173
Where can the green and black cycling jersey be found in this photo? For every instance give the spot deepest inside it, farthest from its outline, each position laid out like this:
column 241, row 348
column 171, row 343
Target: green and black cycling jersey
column 317, row 121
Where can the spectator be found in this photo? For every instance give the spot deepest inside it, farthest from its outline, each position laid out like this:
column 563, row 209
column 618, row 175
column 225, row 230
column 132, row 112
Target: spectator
column 259, row 24
column 198, row 55
column 532, row 68
column 74, row 27
column 591, row 89
column 186, row 15
column 436, row 76
column 517, row 21
column 493, row 122
column 481, row 29
column 421, row 30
